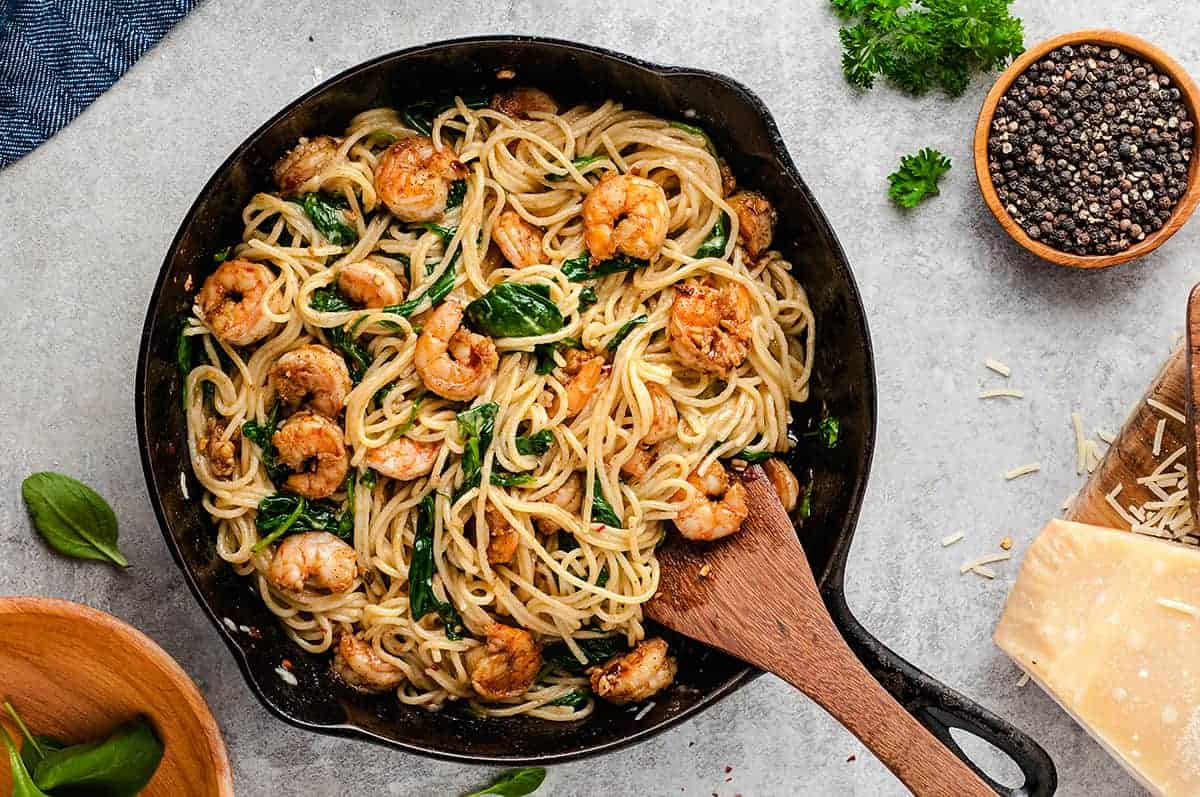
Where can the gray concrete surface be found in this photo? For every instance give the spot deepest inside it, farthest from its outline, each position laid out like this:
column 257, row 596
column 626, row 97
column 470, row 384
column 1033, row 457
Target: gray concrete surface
column 86, row 219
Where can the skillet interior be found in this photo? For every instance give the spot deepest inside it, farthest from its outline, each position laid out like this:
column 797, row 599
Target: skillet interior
column 844, row 379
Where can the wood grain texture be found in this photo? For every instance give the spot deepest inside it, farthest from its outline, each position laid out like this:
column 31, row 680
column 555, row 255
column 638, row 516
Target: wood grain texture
column 1110, row 38
column 1192, row 433
column 758, row 601
column 1130, row 456
column 76, row 673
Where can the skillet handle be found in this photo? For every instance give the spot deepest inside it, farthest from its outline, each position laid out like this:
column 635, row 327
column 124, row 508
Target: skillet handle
column 940, row 708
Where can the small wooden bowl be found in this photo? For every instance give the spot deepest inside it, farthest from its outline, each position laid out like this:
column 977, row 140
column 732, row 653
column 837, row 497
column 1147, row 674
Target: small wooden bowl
column 76, row 673
column 1105, row 38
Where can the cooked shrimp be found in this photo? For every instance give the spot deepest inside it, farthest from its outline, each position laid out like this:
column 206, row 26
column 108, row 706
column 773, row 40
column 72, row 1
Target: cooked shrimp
column 404, row 459
column 521, row 101
column 719, row 509
column 666, row 418
column 568, row 497
column 312, row 374
column 784, row 482
column 636, row 466
column 314, row 448
column 519, row 241
column 370, row 284
column 503, row 538
column 584, row 371
column 453, row 362
column 303, row 162
column 360, row 667
column 221, row 453
column 413, row 178
column 507, row 665
column 313, row 561
column 709, row 327
column 626, row 214
column 231, row 302
column 756, row 221
column 637, row 675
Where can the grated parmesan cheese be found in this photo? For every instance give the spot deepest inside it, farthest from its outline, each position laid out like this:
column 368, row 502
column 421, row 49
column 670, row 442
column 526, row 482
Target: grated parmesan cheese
column 1080, row 453
column 286, row 677
column 1002, row 393
column 997, row 366
column 1024, row 679
column 183, row 486
column 1032, row 467
column 986, row 572
column 1170, row 412
column 1179, row 606
column 1158, row 434
column 976, row 564
column 953, row 538
column 644, row 711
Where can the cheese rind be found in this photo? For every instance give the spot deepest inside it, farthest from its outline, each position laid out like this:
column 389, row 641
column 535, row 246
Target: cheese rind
column 1102, row 620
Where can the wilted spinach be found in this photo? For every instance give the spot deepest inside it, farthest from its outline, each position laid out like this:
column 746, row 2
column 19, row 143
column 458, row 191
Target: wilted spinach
column 439, row 290
column 286, row 513
column 718, row 238
column 602, row 510
column 624, row 331
column 503, row 478
column 575, row 698
column 580, row 164
column 358, row 359
column 538, row 443
column 578, row 269
column 329, row 300
column 420, row 115
column 476, row 426
column 456, row 194
column 754, row 457
column 421, row 600
column 544, row 352
column 587, row 298
column 597, row 651
column 327, row 216
column 260, row 434
column 826, row 432
column 515, row 310
column 696, row 131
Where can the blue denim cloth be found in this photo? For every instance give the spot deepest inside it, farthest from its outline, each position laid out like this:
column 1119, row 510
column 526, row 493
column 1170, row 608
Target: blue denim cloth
column 57, row 56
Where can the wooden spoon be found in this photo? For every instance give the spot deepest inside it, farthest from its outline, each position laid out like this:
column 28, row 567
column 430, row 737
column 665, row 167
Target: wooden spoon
column 1192, row 385
column 758, row 601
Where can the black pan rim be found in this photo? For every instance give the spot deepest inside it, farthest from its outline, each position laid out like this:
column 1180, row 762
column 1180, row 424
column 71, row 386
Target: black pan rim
column 831, row 579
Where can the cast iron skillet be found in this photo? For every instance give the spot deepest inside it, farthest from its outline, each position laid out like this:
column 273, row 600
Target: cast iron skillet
column 844, row 380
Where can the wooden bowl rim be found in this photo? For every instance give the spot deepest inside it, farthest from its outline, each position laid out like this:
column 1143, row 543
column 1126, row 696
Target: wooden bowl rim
column 57, row 607
column 1104, row 37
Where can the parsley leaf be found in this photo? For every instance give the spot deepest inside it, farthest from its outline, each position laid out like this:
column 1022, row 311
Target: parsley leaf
column 925, row 44
column 917, row 177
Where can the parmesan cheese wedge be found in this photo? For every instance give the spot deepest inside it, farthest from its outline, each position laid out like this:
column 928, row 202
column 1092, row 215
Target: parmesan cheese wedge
column 1102, row 620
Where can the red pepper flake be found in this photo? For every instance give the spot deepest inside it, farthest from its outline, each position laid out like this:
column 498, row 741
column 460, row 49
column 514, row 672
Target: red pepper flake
column 286, row 664
column 851, row 759
column 728, row 770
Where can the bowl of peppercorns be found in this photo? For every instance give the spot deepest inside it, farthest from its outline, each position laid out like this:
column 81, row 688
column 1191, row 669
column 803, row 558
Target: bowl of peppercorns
column 1086, row 148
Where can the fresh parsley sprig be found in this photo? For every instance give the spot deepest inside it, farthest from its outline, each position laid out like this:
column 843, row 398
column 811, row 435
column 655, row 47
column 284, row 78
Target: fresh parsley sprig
column 917, row 177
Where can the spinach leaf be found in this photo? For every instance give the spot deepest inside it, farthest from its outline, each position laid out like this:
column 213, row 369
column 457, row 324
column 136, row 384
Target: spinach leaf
column 537, row 443
column 222, row 255
column 419, row 115
column 368, row 479
column 35, row 747
column 567, row 541
column 72, row 518
column 445, row 233
column 456, row 194
column 358, row 359
column 514, row 310
column 696, row 131
column 754, row 457
column 718, row 238
column 578, row 269
column 345, row 527
column 326, row 214
column 260, row 435
column 122, row 764
column 827, row 431
column 602, row 577
column 602, row 510
column 517, row 783
column 439, row 290
column 476, row 426
column 503, row 478
column 22, row 781
column 411, row 421
column 544, row 352
column 421, row 600
column 580, row 164
column 805, row 510
column 575, row 698
column 286, row 513
column 624, row 331
column 587, row 298
column 597, row 651
column 329, row 300
column 184, row 360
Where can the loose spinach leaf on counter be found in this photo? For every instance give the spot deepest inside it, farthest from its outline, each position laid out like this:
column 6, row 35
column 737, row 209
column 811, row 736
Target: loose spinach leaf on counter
column 421, row 600
column 578, row 268
column 622, row 333
column 917, row 177
column 544, row 352
column 602, row 510
column 456, row 194
column 122, row 764
column 597, row 651
column 718, row 238
column 587, row 298
column 260, row 434
column 514, row 310
column 72, row 518
column 329, row 300
column 538, row 443
column 754, row 457
column 697, row 131
column 920, row 44
column 283, row 513
column 326, row 214
column 517, row 783
column 580, row 164
column 476, row 426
